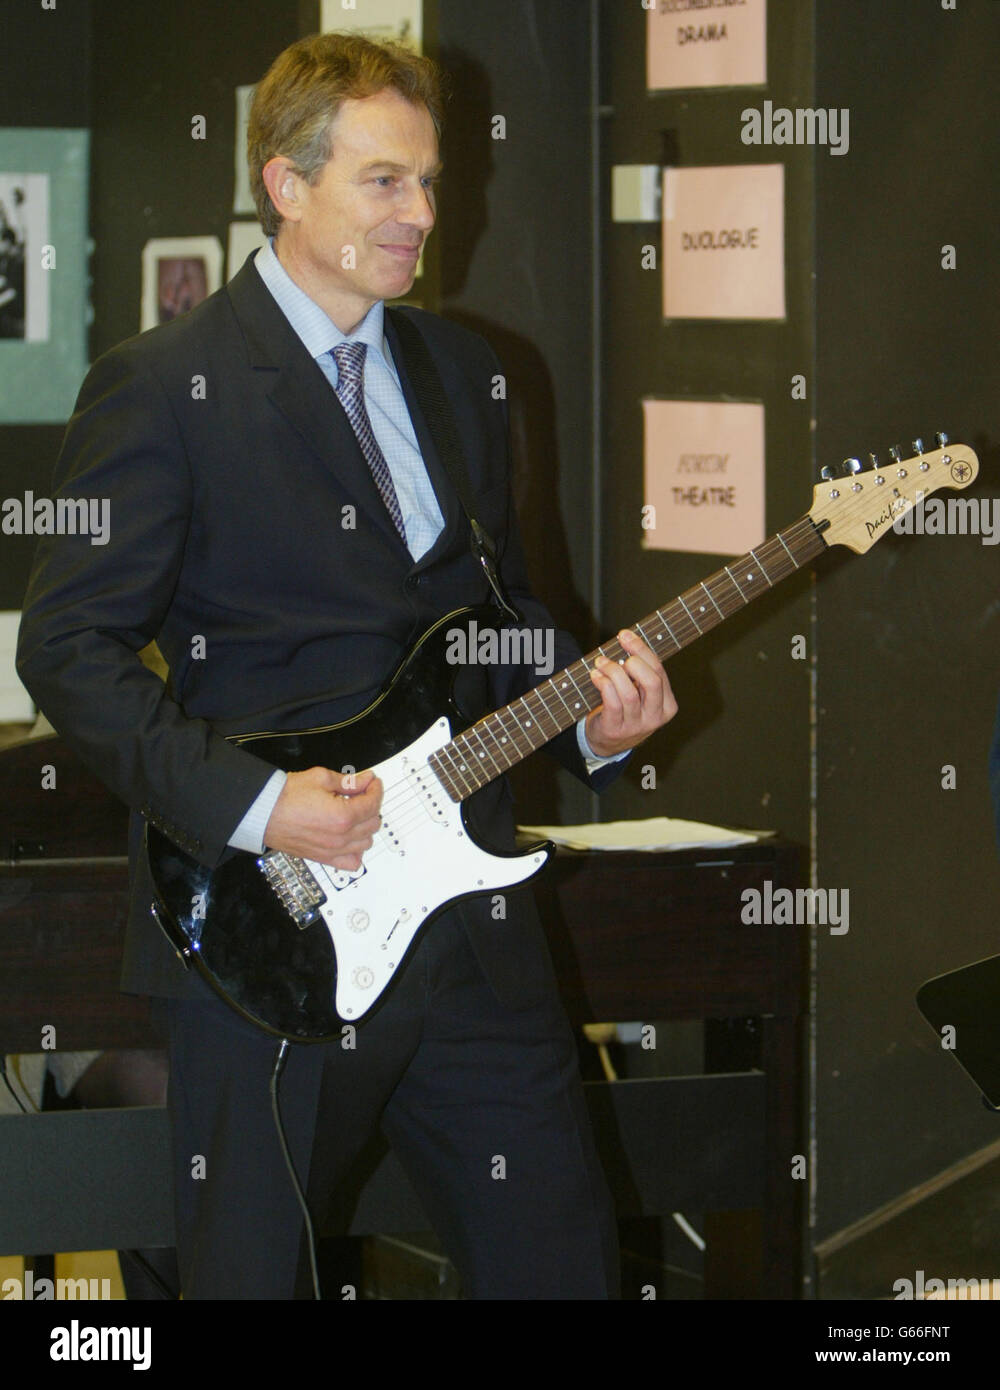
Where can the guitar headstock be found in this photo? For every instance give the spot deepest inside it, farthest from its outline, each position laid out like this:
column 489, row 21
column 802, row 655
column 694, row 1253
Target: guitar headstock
column 861, row 506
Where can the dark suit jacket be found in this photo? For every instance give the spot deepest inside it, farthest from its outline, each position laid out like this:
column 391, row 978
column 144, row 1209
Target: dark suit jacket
column 229, row 464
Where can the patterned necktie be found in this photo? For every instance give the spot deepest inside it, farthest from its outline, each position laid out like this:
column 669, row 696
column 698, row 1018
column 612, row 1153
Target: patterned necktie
column 350, row 360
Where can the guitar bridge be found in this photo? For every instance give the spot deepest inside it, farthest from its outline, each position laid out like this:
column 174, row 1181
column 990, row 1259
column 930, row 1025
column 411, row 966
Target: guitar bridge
column 295, row 885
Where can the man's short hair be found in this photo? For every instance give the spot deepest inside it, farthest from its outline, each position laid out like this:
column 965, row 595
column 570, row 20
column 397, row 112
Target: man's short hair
column 297, row 99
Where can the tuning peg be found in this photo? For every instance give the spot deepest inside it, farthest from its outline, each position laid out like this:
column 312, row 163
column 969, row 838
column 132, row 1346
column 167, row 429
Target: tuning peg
column 827, row 473
column 852, row 466
column 895, row 453
column 873, row 460
column 918, row 445
column 942, row 439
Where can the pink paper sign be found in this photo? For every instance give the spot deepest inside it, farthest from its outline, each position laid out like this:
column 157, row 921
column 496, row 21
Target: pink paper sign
column 704, row 471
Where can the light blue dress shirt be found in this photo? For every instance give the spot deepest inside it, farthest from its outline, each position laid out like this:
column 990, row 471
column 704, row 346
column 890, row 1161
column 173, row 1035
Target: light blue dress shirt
column 393, row 429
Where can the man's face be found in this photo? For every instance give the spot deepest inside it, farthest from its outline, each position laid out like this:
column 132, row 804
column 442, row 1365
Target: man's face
column 373, row 205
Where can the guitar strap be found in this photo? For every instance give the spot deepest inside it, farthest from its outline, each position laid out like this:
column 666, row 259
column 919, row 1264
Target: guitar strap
column 430, row 392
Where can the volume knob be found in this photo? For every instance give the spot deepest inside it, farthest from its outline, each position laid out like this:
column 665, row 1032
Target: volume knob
column 358, row 920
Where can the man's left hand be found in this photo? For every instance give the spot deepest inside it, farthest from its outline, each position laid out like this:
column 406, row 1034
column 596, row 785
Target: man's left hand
column 636, row 699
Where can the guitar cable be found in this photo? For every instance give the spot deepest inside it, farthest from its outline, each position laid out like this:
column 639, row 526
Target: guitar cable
column 280, row 1057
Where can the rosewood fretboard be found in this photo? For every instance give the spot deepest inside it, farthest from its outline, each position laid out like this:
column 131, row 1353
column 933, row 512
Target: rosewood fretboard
column 501, row 739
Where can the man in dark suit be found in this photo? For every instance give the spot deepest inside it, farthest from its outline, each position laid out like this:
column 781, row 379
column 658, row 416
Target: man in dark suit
column 285, row 541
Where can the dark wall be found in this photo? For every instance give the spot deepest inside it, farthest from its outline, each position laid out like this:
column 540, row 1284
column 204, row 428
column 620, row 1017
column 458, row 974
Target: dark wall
column 155, row 68
column 904, row 639
column 517, row 265
column 135, row 74
column 45, row 81
column 738, row 751
column 909, row 659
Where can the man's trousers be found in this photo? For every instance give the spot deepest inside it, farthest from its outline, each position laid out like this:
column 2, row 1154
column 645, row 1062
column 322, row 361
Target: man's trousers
column 482, row 1104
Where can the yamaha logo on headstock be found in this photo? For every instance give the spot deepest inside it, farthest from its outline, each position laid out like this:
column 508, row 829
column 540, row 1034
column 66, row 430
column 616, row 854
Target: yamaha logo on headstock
column 857, row 508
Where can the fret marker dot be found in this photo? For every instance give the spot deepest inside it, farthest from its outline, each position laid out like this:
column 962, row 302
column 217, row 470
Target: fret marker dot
column 527, row 723
column 577, row 705
column 749, row 576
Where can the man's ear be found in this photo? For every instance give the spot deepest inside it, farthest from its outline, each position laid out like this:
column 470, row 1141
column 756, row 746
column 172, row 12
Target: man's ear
column 282, row 184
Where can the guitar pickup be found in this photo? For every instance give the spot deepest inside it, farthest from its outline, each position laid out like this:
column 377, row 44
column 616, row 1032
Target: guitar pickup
column 295, row 885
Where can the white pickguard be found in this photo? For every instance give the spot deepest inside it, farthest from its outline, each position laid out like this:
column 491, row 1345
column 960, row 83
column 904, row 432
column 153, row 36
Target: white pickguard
column 421, row 858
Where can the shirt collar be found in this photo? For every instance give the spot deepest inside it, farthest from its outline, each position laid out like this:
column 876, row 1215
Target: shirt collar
column 316, row 329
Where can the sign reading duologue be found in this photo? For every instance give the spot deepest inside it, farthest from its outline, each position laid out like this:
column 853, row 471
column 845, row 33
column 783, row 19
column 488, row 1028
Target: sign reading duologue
column 724, row 242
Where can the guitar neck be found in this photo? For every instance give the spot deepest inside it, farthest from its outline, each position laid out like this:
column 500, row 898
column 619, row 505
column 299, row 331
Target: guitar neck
column 502, row 739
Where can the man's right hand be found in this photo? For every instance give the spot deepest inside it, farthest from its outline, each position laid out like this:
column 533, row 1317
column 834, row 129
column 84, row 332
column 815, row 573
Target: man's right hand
column 325, row 816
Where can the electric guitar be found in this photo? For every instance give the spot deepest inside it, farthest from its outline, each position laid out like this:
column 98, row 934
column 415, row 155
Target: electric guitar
column 302, row 948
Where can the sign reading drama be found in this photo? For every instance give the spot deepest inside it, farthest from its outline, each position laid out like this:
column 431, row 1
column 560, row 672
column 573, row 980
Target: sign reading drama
column 704, row 469
column 705, row 43
column 724, row 242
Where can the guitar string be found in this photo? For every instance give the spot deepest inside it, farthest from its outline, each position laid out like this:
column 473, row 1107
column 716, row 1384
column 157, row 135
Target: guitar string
column 400, row 795
column 394, row 805
column 794, row 533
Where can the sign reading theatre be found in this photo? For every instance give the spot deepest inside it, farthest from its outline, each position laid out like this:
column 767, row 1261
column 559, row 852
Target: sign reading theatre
column 704, row 467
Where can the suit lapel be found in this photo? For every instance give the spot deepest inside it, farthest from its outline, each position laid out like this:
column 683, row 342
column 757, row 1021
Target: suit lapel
column 300, row 391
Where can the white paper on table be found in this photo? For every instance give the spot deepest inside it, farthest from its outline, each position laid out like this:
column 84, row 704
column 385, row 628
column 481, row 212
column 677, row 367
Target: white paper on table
column 657, row 833
column 16, row 705
column 690, row 45
column 724, row 242
column 704, row 476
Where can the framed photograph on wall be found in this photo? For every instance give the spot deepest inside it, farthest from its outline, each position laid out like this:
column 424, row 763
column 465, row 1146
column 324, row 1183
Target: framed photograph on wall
column 43, row 273
column 177, row 274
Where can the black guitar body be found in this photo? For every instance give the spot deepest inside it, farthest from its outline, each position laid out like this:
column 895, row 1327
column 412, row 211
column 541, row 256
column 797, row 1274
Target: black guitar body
column 227, row 921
